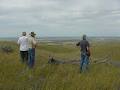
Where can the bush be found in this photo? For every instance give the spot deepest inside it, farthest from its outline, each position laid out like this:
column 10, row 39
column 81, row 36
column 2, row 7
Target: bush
column 7, row 49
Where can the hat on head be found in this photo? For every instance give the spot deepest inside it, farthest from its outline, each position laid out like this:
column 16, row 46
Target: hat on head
column 32, row 33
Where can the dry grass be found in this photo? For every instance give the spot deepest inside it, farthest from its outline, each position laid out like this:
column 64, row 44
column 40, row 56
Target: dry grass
column 16, row 76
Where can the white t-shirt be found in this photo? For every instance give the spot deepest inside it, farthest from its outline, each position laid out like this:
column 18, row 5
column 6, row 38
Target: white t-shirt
column 23, row 42
column 31, row 42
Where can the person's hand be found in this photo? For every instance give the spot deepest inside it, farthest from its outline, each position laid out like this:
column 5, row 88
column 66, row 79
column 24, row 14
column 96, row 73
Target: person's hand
column 88, row 53
column 77, row 44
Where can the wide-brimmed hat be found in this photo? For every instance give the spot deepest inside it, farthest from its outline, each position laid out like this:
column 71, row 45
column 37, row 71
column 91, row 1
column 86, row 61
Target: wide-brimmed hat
column 32, row 33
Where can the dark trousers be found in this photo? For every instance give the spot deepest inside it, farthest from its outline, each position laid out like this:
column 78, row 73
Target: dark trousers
column 24, row 56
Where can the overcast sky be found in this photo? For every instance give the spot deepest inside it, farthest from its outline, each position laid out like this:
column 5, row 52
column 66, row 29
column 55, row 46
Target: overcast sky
column 60, row 17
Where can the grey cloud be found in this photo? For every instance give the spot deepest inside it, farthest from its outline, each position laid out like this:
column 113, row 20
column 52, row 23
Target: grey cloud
column 53, row 16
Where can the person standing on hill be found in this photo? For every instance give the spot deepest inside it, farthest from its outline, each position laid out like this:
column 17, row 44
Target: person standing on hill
column 85, row 52
column 23, row 43
column 31, row 52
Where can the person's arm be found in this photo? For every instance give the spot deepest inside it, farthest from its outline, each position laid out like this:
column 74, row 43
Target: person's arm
column 88, row 50
column 78, row 44
column 34, row 43
column 18, row 42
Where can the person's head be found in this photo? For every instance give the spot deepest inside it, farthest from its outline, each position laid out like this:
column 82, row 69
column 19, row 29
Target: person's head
column 32, row 34
column 84, row 37
column 24, row 33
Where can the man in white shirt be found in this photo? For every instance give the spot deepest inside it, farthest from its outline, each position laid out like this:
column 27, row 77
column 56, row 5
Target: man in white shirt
column 23, row 43
column 31, row 52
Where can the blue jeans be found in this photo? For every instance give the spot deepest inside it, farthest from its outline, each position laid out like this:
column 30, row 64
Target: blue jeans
column 84, row 61
column 31, row 57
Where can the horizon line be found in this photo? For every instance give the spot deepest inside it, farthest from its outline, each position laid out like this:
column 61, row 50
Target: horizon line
column 59, row 36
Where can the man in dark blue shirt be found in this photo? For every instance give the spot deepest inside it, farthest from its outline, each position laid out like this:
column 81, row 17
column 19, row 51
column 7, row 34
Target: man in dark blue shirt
column 85, row 52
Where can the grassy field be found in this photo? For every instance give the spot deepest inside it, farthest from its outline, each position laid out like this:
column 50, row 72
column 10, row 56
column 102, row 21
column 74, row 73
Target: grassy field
column 44, row 76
